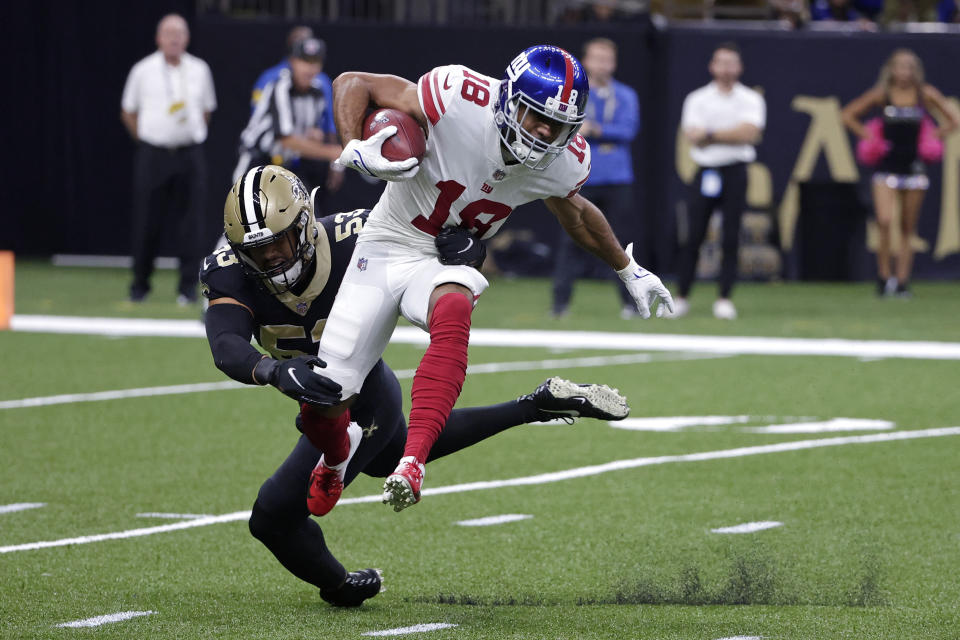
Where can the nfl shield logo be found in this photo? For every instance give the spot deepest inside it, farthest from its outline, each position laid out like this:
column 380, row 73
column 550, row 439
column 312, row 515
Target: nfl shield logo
column 499, row 174
column 301, row 308
column 362, row 264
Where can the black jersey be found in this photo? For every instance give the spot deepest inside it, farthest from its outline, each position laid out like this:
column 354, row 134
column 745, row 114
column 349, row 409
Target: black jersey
column 289, row 325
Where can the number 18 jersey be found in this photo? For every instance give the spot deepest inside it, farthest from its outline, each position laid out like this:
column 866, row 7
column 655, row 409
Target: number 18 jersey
column 463, row 178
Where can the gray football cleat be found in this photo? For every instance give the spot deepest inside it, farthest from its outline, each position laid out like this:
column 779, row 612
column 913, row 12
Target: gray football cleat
column 559, row 398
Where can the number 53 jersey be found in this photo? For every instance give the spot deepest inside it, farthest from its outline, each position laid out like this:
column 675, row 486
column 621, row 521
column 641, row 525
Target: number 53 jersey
column 463, row 178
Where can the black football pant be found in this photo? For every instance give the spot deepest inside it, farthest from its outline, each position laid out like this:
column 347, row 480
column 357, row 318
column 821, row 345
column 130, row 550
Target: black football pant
column 732, row 200
column 617, row 203
column 169, row 187
column 280, row 519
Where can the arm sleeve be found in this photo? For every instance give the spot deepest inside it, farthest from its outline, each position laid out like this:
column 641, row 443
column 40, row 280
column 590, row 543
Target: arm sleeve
column 130, row 101
column 229, row 329
column 756, row 112
column 625, row 123
column 280, row 106
column 436, row 90
column 326, row 123
column 689, row 116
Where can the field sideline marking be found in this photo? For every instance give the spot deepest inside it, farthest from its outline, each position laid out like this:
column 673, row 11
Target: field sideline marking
column 748, row 527
column 492, row 520
column 99, row 620
column 730, row 345
column 20, row 506
column 417, row 628
column 543, row 478
column 403, row 374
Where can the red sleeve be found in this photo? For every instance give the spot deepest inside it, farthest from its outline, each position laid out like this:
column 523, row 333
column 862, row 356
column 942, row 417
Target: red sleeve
column 432, row 100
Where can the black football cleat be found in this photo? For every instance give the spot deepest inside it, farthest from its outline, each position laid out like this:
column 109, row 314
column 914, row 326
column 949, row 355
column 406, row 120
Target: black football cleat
column 559, row 398
column 358, row 586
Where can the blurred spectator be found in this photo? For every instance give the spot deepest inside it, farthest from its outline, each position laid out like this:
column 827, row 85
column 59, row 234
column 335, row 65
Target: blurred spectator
column 792, row 14
column 947, row 11
column 870, row 9
column 834, row 10
column 601, row 11
column 612, row 120
column 313, row 173
column 166, row 105
column 723, row 121
column 283, row 128
column 905, row 134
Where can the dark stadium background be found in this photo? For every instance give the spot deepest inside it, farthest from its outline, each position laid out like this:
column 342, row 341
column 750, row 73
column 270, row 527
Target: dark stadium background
column 70, row 158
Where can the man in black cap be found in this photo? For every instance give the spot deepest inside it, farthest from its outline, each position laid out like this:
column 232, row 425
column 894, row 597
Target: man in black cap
column 286, row 125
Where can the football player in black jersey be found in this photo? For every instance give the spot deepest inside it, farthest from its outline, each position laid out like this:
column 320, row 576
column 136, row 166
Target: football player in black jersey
column 275, row 281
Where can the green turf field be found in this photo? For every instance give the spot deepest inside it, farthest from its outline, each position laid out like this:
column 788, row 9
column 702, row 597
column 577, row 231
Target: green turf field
column 869, row 545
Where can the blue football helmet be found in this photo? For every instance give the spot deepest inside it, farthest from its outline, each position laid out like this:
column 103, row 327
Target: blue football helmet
column 551, row 82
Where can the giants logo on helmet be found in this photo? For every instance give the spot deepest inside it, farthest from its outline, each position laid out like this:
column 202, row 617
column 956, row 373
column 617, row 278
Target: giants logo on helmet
column 518, row 66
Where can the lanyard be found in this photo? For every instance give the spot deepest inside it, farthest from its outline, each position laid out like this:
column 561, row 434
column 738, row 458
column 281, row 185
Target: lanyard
column 176, row 106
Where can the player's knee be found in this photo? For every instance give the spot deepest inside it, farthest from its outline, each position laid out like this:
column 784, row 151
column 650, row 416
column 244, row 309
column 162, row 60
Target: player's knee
column 265, row 526
column 450, row 301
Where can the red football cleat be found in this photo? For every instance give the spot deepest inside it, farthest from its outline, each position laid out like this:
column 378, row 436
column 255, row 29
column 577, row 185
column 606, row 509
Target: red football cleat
column 402, row 487
column 326, row 483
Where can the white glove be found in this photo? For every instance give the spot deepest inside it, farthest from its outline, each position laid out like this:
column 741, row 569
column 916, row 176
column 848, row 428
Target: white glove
column 645, row 287
column 365, row 156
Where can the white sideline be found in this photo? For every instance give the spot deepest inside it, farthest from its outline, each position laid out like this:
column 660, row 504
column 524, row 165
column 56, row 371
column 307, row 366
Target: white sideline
column 730, row 345
column 20, row 506
column 492, row 520
column 173, row 516
column 748, row 527
column 403, row 374
column 99, row 620
column 119, row 394
column 543, row 478
column 417, row 628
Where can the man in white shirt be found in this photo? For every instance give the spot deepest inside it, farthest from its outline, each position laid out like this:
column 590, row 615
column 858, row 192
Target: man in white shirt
column 166, row 106
column 723, row 121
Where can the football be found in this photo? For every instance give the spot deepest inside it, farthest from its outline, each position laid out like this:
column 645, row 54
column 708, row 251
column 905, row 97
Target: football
column 408, row 142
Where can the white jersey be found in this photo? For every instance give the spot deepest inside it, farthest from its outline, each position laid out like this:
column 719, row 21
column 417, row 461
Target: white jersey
column 463, row 178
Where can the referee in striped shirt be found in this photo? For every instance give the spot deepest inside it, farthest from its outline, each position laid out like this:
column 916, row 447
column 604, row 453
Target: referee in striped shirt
column 284, row 128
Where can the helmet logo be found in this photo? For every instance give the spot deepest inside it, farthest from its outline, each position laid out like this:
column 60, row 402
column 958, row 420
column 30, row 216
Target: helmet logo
column 296, row 187
column 518, row 66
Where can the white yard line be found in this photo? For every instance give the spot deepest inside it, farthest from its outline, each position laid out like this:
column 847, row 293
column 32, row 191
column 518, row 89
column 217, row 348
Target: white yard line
column 730, row 345
column 403, row 631
column 403, row 374
column 492, row 520
column 748, row 527
column 120, row 394
column 100, row 620
column 20, row 506
column 173, row 516
column 543, row 478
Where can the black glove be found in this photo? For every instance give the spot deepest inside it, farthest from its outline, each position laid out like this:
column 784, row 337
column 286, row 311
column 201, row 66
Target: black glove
column 296, row 379
column 458, row 246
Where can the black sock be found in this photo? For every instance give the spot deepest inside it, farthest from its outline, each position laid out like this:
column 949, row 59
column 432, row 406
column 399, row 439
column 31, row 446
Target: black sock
column 467, row 427
column 299, row 546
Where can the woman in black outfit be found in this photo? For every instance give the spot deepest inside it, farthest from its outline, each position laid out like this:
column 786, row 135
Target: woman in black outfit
column 904, row 100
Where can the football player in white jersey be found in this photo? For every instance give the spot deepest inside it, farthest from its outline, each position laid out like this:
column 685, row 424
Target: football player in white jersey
column 492, row 145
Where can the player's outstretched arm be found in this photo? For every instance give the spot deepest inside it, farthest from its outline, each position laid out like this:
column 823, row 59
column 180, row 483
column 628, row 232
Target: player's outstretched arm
column 230, row 325
column 353, row 93
column 584, row 222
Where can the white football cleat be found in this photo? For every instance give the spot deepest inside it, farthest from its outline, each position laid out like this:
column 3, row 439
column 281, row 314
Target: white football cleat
column 723, row 309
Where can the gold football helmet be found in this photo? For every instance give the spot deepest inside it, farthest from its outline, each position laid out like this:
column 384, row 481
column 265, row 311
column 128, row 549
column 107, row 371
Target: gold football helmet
column 268, row 220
